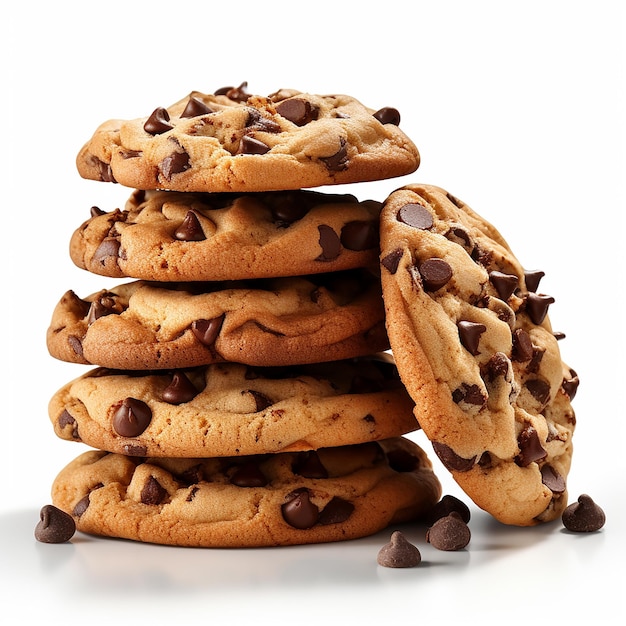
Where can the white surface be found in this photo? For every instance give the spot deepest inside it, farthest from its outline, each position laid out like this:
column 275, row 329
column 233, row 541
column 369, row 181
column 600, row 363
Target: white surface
column 518, row 109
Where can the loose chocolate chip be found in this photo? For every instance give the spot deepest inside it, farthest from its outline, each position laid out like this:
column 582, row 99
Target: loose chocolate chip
column 195, row 107
column 55, row 525
column 505, row 284
column 338, row 161
column 190, row 228
column 530, row 448
column 298, row 111
column 158, row 122
column 359, row 235
column 336, row 511
column 469, row 334
column 537, row 307
column 416, row 216
column 206, row 331
column 388, row 115
column 329, row 243
column 392, row 260
column 470, row 394
column 522, row 346
column 584, row 516
column 450, row 459
column 250, row 145
column 299, row 511
column 152, row 493
column 445, row 506
column 180, row 390
column 532, row 279
column 248, row 475
column 435, row 273
column 131, row 417
column 539, row 389
column 552, row 479
column 449, row 533
column 175, row 163
column 309, row 465
column 399, row 552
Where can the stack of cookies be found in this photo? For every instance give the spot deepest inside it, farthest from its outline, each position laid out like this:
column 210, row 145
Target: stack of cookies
column 243, row 392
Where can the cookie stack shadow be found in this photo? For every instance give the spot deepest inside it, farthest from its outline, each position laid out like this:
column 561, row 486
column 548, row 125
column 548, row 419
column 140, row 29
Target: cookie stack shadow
column 240, row 390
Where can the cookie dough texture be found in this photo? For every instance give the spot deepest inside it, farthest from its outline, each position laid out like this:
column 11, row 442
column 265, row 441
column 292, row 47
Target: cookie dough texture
column 473, row 343
column 170, row 236
column 235, row 141
column 231, row 409
column 331, row 494
column 288, row 320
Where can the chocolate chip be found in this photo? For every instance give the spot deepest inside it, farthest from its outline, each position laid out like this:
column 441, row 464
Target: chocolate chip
column 523, row 349
column 388, row 115
column 450, row 459
column 584, row 516
column 552, row 479
column 435, row 273
column 449, row 533
column 158, row 122
column 238, row 94
column 530, row 448
column 392, row 260
column 505, row 284
column 469, row 334
column 175, row 163
column 298, row 111
column 329, row 243
column 152, row 493
column 338, row 161
column 134, row 449
column 416, row 216
column 195, row 107
column 532, row 279
column 309, row 465
column 180, row 390
column 539, row 389
column 248, row 475
column 402, row 461
column 131, row 417
column 470, row 394
column 250, row 145
column 261, row 401
column 336, row 511
column 359, row 235
column 497, row 366
column 206, row 331
column 109, row 247
column 64, row 420
column 55, row 525
column 445, row 506
column 570, row 385
column 81, row 506
column 299, row 511
column 190, row 229
column 96, row 211
column 399, row 552
column 537, row 307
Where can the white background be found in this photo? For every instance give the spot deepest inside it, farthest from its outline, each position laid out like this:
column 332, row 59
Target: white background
column 517, row 108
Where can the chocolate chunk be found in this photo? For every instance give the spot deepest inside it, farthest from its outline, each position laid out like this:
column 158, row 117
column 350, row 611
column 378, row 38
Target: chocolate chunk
column 152, row 493
column 175, row 163
column 309, row 465
column 392, row 260
column 108, row 248
column 359, row 235
column 180, row 390
column 530, row 448
column 449, row 533
column 537, row 307
column 505, row 284
column 329, row 243
column 539, row 389
column 248, row 475
column 338, row 161
column 206, row 331
column 451, row 460
column 55, row 525
column 388, row 115
column 523, row 349
column 158, row 122
column 435, row 273
column 250, row 145
column 190, row 229
column 497, row 366
column 297, row 110
column 532, row 279
column 131, row 417
column 470, row 394
column 447, row 505
column 552, row 479
column 469, row 334
column 570, row 385
column 584, row 516
column 416, row 216
column 195, row 107
column 336, row 511
column 299, row 511
column 64, row 420
column 399, row 552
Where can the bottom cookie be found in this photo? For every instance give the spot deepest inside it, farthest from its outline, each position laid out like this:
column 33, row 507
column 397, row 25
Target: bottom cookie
column 332, row 494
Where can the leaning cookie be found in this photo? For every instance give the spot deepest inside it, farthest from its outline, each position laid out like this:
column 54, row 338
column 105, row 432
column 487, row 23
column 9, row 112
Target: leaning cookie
column 229, row 409
column 332, row 494
column 234, row 141
column 171, row 236
column 281, row 321
column 473, row 344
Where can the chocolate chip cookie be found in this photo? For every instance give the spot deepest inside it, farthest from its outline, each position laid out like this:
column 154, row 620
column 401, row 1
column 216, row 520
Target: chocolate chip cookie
column 171, row 236
column 145, row 325
column 230, row 409
column 332, row 494
column 235, row 141
column 471, row 336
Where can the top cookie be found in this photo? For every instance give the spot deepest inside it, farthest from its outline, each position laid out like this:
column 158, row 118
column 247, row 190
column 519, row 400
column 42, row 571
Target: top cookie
column 473, row 344
column 234, row 141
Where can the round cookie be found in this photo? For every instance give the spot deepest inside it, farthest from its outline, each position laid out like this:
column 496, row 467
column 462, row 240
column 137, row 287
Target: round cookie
column 472, row 340
column 332, row 494
column 171, row 236
column 282, row 321
column 230, row 409
column 235, row 141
